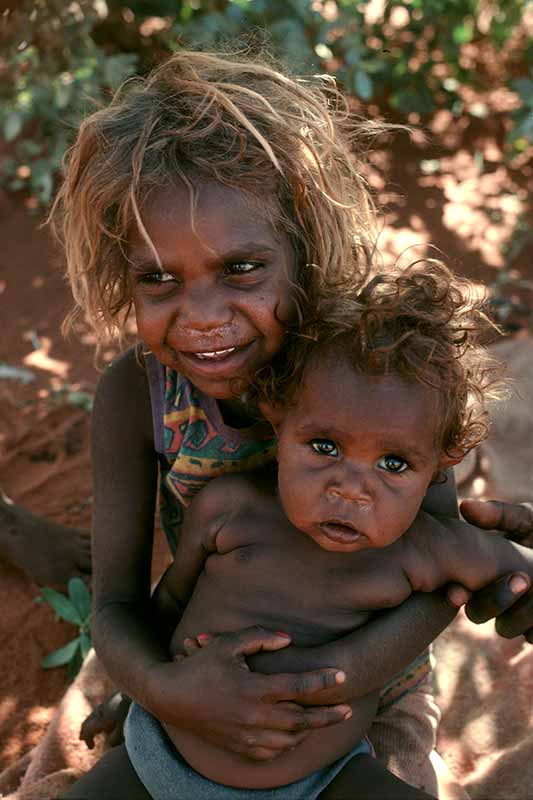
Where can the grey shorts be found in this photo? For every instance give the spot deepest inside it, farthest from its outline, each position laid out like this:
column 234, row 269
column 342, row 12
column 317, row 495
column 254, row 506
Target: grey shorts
column 166, row 776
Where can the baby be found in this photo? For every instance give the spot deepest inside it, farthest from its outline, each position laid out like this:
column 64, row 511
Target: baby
column 378, row 396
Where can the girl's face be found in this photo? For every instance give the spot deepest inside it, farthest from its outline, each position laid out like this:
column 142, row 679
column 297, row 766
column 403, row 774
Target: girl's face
column 213, row 299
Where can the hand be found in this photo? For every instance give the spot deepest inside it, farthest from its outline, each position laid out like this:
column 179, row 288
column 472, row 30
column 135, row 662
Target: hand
column 212, row 693
column 107, row 718
column 509, row 599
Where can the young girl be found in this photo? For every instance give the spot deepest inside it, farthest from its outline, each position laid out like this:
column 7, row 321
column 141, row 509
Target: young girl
column 211, row 198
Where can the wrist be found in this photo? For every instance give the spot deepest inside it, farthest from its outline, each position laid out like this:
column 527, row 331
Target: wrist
column 155, row 693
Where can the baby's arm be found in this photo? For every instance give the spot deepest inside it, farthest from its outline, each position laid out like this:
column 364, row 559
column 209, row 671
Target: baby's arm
column 459, row 552
column 198, row 538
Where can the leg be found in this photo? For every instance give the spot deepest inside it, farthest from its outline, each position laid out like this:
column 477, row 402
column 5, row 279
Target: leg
column 113, row 778
column 48, row 552
column 404, row 737
column 364, row 778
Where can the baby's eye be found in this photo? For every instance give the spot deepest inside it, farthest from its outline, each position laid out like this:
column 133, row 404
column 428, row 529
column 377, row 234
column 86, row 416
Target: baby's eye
column 393, row 463
column 324, row 447
column 242, row 267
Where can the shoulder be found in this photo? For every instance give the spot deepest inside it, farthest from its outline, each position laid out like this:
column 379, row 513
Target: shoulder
column 226, row 493
column 122, row 399
column 224, row 504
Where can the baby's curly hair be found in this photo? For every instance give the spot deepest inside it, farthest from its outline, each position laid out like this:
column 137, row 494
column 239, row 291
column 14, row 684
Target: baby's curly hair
column 230, row 118
column 422, row 323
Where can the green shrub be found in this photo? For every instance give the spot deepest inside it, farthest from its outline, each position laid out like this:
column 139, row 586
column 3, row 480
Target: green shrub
column 75, row 608
column 66, row 57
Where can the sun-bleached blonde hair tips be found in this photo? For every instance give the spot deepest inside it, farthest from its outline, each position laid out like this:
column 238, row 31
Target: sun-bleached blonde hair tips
column 227, row 118
column 422, row 323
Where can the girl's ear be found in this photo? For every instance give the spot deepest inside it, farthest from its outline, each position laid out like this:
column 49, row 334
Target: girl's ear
column 274, row 414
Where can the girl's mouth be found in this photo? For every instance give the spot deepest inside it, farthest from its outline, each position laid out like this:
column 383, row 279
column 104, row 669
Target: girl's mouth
column 214, row 355
column 227, row 362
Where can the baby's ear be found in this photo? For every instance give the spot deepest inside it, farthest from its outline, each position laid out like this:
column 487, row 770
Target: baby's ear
column 450, row 459
column 274, row 414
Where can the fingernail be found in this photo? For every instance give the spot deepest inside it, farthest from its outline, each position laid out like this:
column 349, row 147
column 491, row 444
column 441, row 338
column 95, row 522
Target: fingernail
column 348, row 714
column 203, row 636
column 340, row 677
column 518, row 584
column 282, row 633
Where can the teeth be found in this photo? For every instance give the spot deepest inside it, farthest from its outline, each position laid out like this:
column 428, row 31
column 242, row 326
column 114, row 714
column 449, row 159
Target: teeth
column 216, row 353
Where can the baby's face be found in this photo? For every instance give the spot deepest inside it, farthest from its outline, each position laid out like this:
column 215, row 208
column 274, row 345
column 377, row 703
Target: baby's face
column 356, row 455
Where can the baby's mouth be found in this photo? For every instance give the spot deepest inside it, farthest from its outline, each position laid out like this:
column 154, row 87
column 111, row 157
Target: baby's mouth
column 340, row 531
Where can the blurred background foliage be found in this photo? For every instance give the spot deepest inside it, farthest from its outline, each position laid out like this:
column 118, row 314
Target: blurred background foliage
column 61, row 59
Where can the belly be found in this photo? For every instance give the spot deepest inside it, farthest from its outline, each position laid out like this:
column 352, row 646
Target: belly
column 320, row 749
column 268, row 595
column 288, row 595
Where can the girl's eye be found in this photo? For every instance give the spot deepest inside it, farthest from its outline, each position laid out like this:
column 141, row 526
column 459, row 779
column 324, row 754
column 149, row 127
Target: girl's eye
column 393, row 464
column 325, row 447
column 157, row 277
column 242, row 267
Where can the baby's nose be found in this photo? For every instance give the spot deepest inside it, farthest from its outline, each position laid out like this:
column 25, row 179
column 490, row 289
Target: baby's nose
column 352, row 488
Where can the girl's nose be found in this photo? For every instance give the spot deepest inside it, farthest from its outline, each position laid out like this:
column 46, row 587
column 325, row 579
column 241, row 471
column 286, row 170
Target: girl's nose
column 203, row 309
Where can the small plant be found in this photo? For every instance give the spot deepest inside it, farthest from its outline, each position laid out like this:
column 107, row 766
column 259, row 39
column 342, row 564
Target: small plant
column 74, row 607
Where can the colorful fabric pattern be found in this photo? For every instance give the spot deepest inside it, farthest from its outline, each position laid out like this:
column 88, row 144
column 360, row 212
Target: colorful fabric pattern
column 199, row 447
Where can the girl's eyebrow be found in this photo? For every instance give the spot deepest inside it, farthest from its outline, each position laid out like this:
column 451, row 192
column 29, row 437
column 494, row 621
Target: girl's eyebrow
column 247, row 250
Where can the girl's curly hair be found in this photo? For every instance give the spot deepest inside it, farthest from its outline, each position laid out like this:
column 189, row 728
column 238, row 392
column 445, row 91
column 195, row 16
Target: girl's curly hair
column 422, row 323
column 228, row 118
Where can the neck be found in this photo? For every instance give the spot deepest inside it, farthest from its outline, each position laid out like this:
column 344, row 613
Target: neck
column 237, row 413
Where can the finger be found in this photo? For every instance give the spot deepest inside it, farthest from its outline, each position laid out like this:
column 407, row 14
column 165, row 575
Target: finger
column 252, row 640
column 457, row 595
column 254, row 743
column 191, row 646
column 89, row 728
column 497, row 597
column 87, row 736
column 291, row 686
column 493, row 514
column 117, row 736
column 517, row 620
column 292, row 717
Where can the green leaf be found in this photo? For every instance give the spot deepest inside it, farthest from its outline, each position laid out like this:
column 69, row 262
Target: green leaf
column 362, row 84
column 85, row 643
column 80, row 597
column 62, row 655
column 12, row 126
column 63, row 607
column 462, row 34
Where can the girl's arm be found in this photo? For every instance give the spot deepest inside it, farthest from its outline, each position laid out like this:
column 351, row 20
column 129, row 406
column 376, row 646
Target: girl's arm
column 222, row 701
